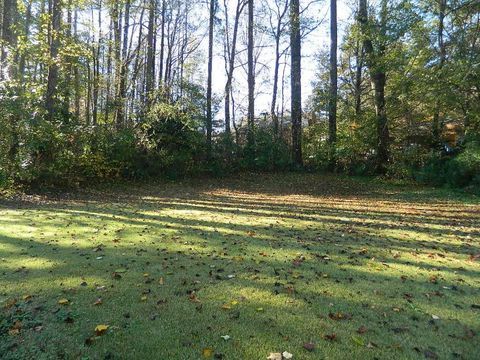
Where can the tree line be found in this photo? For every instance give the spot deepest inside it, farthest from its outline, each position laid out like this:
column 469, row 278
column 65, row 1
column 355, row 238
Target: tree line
column 95, row 89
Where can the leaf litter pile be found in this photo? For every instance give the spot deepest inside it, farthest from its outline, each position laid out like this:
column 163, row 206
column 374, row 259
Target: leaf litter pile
column 260, row 267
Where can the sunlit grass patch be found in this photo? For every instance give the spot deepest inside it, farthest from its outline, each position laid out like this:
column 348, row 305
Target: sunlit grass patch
column 171, row 269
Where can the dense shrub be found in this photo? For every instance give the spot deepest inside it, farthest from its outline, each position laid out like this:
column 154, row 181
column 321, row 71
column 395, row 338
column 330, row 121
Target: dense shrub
column 464, row 169
column 271, row 153
column 459, row 170
column 172, row 140
column 354, row 149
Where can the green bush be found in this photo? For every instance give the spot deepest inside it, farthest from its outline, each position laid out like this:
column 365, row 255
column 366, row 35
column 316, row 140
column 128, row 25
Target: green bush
column 464, row 169
column 459, row 171
column 270, row 153
column 172, row 139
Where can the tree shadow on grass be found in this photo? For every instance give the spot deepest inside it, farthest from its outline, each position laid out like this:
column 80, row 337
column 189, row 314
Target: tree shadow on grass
column 196, row 238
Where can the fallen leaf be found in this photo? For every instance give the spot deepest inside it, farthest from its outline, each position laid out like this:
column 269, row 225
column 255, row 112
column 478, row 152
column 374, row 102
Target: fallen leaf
column 362, row 330
column 207, row 352
column 339, row 316
column 225, row 337
column 286, row 355
column 331, row 337
column 99, row 301
column 309, row 346
column 474, row 257
column 13, row 332
column 63, row 302
column 101, row 329
column 275, row 356
column 193, row 297
column 358, row 340
column 430, row 354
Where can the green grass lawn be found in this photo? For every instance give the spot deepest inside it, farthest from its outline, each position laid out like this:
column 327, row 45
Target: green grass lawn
column 241, row 268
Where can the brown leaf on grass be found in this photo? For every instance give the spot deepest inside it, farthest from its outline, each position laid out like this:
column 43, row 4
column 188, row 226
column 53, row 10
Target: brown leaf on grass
column 339, row 316
column 474, row 257
column 309, row 346
column 330, row 337
column 99, row 301
column 193, row 297
column 298, row 261
column 10, row 303
column 363, row 251
column 15, row 329
column 430, row 354
column 362, row 330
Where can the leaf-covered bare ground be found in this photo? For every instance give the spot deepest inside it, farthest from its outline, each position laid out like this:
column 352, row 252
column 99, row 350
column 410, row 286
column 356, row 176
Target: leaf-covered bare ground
column 308, row 266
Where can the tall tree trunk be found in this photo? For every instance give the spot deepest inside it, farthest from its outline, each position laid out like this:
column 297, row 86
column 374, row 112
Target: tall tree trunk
column 358, row 79
column 231, row 52
column 97, row 55
column 209, row 80
column 76, row 74
column 109, row 74
column 70, row 59
column 150, row 66
column 296, row 82
column 88, row 103
column 442, row 4
column 378, row 78
column 22, row 61
column 278, row 55
column 332, row 103
column 251, row 84
column 119, row 106
column 9, row 44
column 162, row 44
column 136, row 65
column 55, row 12
column 9, row 40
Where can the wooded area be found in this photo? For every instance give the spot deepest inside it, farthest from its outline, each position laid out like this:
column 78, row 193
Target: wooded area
column 239, row 179
column 108, row 89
